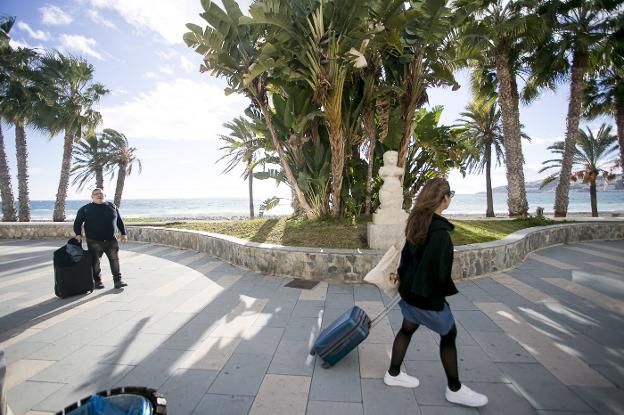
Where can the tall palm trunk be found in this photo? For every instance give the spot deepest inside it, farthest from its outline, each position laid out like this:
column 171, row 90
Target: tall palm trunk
column 333, row 112
column 121, row 180
column 593, row 198
column 99, row 177
column 619, row 122
column 412, row 97
column 21, row 151
column 516, row 193
column 6, row 191
column 251, row 203
column 489, row 213
column 579, row 67
column 292, row 182
column 369, row 126
column 61, row 194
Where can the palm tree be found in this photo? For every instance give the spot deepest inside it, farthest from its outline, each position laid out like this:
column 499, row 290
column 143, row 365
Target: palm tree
column 70, row 108
column 482, row 124
column 578, row 31
column 232, row 51
column 589, row 157
column 6, row 190
column 123, row 156
column 496, row 29
column 17, row 105
column 91, row 160
column 242, row 145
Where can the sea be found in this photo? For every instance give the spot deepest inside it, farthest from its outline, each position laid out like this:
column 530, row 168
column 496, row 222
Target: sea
column 238, row 208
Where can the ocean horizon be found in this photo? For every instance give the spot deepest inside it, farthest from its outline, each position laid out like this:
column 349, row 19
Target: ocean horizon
column 236, row 208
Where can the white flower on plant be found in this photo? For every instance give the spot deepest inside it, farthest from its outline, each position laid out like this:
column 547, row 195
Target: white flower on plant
column 357, row 58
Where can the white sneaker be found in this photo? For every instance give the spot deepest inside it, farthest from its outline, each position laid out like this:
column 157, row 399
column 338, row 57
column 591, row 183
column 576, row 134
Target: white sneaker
column 466, row 396
column 402, row 379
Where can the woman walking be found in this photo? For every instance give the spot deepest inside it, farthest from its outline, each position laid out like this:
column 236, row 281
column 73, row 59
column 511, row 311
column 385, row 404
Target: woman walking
column 425, row 281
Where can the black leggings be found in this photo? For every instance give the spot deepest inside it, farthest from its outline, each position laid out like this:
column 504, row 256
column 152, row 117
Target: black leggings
column 448, row 352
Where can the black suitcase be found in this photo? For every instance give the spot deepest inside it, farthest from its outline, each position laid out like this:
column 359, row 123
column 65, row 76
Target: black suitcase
column 73, row 279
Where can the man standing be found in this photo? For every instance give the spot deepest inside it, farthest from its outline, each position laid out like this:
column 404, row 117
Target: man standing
column 100, row 219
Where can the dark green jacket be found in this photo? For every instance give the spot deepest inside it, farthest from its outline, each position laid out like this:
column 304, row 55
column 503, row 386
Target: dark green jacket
column 425, row 269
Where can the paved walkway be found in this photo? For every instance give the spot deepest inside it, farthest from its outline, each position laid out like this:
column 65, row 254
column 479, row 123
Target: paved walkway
column 544, row 338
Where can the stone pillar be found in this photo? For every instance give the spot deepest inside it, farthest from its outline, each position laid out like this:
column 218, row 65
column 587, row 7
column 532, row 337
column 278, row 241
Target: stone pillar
column 390, row 219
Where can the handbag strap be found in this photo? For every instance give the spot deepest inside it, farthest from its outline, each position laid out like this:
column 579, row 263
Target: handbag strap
column 385, row 310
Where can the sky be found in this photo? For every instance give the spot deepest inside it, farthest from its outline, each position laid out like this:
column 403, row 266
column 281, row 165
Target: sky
column 173, row 114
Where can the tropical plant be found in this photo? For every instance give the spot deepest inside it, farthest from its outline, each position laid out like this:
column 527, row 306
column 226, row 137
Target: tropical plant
column 481, row 124
column 577, row 32
column 121, row 156
column 69, row 107
column 91, row 160
column 242, row 145
column 232, row 51
column 497, row 32
column 18, row 100
column 6, row 190
column 591, row 154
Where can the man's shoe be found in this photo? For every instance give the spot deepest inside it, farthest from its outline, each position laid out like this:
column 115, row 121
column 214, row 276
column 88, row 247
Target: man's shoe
column 98, row 284
column 466, row 396
column 402, row 379
column 120, row 284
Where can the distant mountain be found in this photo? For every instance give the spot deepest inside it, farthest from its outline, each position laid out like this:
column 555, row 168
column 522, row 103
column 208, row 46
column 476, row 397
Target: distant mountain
column 534, row 187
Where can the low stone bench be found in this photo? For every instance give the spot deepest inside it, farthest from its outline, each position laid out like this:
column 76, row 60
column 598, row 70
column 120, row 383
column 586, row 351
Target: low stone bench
column 348, row 265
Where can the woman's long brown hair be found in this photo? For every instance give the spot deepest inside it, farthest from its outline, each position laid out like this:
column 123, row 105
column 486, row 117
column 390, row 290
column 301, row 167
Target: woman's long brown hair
column 429, row 198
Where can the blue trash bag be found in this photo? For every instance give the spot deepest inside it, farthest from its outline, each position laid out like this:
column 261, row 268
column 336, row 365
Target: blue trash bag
column 115, row 405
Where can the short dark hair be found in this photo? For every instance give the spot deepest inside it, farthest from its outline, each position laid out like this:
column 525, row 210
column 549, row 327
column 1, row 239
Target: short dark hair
column 97, row 189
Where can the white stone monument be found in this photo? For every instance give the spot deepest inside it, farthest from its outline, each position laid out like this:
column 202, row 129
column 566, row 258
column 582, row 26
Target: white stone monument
column 390, row 219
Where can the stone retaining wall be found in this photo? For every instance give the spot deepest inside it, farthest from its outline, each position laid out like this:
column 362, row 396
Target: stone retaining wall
column 338, row 264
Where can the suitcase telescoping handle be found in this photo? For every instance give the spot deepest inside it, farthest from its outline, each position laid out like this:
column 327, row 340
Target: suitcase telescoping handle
column 385, row 310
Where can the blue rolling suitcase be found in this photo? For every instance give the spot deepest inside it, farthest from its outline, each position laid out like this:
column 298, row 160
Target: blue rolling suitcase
column 346, row 333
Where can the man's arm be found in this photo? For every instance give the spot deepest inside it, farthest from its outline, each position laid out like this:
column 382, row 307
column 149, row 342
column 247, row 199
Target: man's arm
column 80, row 218
column 121, row 226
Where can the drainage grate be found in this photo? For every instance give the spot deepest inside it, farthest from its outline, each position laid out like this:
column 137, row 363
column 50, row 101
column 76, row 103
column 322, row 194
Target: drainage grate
column 303, row 284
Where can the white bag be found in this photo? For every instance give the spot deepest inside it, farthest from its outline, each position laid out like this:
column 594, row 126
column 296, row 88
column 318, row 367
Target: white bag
column 384, row 274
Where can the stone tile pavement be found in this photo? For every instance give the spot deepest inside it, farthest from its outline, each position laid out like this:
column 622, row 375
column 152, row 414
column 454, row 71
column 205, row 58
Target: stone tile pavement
column 544, row 338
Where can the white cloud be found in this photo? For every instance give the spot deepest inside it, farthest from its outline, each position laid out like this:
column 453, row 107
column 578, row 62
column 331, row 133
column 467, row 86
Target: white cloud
column 96, row 17
column 14, row 43
column 151, row 75
column 54, row 15
column 80, row 44
column 35, row 34
column 187, row 65
column 167, row 55
column 166, row 70
column 179, row 110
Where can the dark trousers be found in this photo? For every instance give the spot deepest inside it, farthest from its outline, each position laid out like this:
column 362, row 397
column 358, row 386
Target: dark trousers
column 111, row 249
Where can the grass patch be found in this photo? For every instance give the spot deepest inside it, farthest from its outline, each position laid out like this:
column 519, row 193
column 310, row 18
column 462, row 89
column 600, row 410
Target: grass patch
column 343, row 233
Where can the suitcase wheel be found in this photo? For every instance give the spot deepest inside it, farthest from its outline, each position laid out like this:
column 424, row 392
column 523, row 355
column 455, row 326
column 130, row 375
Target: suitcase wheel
column 325, row 365
column 312, row 352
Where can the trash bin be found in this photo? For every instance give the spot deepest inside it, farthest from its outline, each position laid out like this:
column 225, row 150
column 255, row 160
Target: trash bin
column 129, row 400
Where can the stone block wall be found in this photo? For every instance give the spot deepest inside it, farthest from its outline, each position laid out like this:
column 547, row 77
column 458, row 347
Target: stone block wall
column 348, row 265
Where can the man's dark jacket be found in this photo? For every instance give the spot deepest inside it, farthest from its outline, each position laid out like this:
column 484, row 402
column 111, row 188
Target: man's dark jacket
column 425, row 269
column 99, row 221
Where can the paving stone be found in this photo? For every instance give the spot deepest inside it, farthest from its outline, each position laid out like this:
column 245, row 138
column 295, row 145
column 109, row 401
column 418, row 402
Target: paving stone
column 292, row 358
column 422, row 347
column 260, row 339
column 21, row 370
column 475, row 366
column 432, row 381
column 379, row 398
column 459, row 302
column 541, row 388
column 185, row 389
column 211, row 354
column 330, row 408
column 280, row 394
column 374, row 359
column 447, row 410
column 334, row 300
column 308, row 308
column 607, row 401
column 23, row 350
column 302, row 329
column 475, row 320
column 500, row 347
column 340, row 383
column 340, row 288
column 366, row 292
column 28, row 394
column 502, row 399
column 154, row 370
column 614, row 373
column 243, row 373
column 214, row 404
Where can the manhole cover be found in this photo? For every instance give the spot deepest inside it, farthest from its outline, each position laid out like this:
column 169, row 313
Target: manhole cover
column 303, row 284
